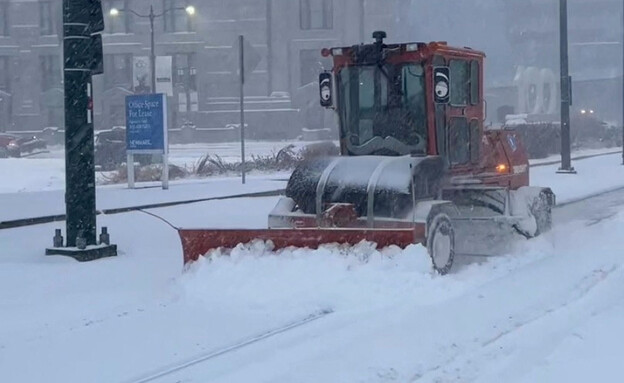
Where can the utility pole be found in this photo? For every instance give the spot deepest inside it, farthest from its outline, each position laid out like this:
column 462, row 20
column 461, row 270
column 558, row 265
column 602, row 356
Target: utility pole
column 622, row 83
column 152, row 16
column 82, row 50
column 566, row 91
column 241, row 47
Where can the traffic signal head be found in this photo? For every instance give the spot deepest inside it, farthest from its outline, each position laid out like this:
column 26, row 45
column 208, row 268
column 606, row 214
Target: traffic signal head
column 86, row 12
column 96, row 17
column 84, row 18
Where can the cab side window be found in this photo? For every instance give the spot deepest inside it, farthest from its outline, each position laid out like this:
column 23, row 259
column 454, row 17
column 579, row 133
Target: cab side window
column 460, row 82
column 474, row 82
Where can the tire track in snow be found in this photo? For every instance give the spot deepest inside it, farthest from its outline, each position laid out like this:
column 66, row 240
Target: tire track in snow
column 584, row 287
column 200, row 358
column 579, row 291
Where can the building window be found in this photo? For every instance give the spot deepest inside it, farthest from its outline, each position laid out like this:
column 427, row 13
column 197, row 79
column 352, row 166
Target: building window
column 175, row 18
column 118, row 70
column 46, row 18
column 51, row 71
column 56, row 117
column 119, row 23
column 5, row 82
column 184, row 71
column 185, row 80
column 4, row 17
column 316, row 14
column 117, row 115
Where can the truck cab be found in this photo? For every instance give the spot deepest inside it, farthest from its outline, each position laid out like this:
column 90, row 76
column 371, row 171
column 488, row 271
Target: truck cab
column 419, row 99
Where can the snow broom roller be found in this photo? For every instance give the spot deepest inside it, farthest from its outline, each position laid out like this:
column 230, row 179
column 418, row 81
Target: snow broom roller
column 416, row 164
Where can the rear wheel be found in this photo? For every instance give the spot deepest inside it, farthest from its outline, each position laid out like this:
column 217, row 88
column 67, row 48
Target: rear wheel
column 441, row 243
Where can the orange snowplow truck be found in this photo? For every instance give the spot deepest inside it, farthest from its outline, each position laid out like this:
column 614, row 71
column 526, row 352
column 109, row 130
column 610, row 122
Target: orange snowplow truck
column 416, row 164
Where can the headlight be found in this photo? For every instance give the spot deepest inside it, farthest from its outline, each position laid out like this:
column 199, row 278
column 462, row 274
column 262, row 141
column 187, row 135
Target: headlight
column 12, row 144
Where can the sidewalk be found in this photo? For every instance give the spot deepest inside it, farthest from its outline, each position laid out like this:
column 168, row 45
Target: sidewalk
column 594, row 175
column 577, row 154
column 49, row 203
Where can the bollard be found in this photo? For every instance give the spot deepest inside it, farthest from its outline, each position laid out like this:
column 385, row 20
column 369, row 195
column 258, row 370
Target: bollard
column 58, row 239
column 105, row 237
column 81, row 241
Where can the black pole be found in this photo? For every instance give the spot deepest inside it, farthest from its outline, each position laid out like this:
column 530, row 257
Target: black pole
column 83, row 21
column 362, row 10
column 79, row 145
column 269, row 31
column 241, row 48
column 623, row 83
column 566, row 94
column 152, row 16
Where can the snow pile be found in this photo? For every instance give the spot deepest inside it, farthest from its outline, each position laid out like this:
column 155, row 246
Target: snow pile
column 337, row 277
column 301, row 280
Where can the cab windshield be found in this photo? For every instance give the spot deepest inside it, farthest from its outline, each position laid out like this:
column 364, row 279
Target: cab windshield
column 383, row 109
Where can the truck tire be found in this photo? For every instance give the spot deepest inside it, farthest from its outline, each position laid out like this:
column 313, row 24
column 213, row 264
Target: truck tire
column 441, row 243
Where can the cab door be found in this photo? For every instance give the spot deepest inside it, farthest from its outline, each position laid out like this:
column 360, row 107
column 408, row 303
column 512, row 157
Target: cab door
column 459, row 122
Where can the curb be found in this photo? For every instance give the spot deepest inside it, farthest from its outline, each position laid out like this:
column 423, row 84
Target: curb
column 13, row 224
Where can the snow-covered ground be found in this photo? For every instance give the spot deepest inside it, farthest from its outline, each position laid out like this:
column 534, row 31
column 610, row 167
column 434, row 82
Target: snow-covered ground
column 189, row 154
column 597, row 174
column 580, row 153
column 518, row 317
column 594, row 175
column 48, row 203
column 551, row 310
column 46, row 171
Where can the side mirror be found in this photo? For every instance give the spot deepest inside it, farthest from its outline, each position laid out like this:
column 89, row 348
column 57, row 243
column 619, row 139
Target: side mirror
column 442, row 84
column 325, row 89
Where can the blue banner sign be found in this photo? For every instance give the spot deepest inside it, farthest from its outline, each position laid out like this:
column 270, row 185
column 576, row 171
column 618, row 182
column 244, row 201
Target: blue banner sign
column 146, row 123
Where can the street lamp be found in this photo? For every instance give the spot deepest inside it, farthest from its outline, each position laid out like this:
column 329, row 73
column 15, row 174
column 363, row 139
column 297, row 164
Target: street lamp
column 190, row 10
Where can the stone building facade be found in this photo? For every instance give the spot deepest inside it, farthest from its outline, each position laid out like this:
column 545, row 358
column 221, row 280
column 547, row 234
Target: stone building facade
column 281, row 98
column 288, row 35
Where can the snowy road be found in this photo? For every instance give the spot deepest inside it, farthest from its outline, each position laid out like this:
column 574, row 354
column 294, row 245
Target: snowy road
column 518, row 317
column 510, row 319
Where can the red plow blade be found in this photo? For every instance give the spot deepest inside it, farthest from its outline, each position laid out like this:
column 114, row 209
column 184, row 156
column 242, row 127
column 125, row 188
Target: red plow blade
column 196, row 243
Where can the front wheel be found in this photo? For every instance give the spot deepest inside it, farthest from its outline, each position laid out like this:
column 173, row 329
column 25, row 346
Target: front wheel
column 441, row 243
